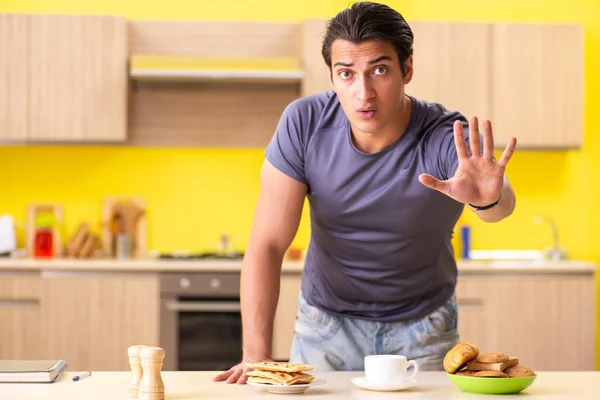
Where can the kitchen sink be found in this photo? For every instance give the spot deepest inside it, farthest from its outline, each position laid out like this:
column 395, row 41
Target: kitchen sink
column 523, row 259
column 520, row 255
column 550, row 254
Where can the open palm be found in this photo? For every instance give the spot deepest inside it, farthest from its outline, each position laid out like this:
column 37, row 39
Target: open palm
column 478, row 179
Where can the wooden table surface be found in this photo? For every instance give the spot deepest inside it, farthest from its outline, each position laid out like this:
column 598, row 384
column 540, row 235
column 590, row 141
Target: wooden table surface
column 199, row 385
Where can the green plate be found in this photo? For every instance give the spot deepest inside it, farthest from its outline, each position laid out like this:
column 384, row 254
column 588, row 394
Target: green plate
column 475, row 384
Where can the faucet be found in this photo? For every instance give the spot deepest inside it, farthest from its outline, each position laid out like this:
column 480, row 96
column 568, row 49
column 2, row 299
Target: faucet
column 555, row 253
column 226, row 244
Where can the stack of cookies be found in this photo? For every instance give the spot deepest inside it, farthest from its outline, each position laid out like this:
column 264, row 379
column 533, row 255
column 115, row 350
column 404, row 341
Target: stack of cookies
column 279, row 373
column 465, row 359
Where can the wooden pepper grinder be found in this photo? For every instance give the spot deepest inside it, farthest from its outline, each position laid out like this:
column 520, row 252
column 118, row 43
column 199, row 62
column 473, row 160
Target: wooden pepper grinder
column 136, row 370
column 151, row 385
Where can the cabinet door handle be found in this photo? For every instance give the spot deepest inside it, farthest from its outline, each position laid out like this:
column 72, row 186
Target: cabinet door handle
column 203, row 306
column 469, row 302
column 11, row 303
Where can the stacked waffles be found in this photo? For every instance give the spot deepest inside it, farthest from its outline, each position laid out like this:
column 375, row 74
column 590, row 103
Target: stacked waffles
column 279, row 373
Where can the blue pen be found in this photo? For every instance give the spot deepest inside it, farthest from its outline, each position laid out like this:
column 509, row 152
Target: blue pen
column 84, row 375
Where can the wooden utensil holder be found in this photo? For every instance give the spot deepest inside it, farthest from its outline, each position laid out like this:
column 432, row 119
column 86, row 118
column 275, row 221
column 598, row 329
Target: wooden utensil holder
column 112, row 206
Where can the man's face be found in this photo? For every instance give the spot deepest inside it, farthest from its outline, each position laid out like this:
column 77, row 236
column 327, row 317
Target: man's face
column 369, row 83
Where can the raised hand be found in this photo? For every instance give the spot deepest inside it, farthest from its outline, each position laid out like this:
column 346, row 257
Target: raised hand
column 478, row 180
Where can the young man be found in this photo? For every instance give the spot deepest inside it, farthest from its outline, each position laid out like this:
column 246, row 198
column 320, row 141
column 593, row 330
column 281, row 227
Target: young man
column 387, row 176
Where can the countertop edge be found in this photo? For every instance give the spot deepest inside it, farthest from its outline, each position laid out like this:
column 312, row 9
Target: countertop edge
column 154, row 265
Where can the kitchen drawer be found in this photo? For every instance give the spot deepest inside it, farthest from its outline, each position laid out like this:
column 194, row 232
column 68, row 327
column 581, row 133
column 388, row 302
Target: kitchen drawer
column 472, row 290
column 15, row 285
column 20, row 299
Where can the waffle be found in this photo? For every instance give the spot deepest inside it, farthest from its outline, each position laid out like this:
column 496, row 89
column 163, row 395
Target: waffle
column 280, row 378
column 279, row 373
column 278, row 366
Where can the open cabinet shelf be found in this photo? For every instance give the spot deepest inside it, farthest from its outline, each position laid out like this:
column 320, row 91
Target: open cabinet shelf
column 231, row 75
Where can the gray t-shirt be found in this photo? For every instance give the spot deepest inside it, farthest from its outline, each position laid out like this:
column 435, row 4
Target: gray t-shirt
column 380, row 245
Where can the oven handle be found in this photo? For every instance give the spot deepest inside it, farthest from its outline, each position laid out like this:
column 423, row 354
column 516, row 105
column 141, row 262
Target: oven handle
column 203, row 306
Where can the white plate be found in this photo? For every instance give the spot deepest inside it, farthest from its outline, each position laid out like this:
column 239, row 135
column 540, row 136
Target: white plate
column 281, row 389
column 363, row 383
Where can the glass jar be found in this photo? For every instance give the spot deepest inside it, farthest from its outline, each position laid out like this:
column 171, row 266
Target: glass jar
column 43, row 242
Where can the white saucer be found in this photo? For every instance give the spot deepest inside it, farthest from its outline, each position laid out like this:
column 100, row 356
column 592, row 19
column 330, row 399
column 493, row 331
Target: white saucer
column 281, row 389
column 363, row 383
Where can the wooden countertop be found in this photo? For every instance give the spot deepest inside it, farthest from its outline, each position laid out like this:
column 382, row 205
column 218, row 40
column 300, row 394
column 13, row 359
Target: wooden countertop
column 161, row 265
column 134, row 265
column 199, row 385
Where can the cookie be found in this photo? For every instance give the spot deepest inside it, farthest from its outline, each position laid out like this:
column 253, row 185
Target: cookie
column 501, row 366
column 491, row 374
column 466, row 372
column 459, row 355
column 519, row 371
column 492, row 358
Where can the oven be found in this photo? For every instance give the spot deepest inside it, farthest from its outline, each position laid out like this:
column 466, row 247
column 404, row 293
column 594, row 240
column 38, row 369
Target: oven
column 200, row 320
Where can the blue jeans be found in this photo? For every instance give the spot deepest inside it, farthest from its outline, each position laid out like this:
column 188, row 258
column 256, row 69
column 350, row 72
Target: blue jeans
column 334, row 343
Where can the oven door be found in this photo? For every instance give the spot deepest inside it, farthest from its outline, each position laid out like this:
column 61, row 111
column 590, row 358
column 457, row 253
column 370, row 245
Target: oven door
column 200, row 334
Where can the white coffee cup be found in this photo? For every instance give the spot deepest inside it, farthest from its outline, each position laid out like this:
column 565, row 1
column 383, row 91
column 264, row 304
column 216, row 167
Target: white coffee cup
column 388, row 368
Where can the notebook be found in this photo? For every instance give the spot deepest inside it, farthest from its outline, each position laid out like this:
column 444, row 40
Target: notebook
column 25, row 371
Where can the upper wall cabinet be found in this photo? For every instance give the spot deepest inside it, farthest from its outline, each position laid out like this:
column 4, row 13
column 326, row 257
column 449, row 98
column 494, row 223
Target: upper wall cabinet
column 537, row 84
column 316, row 73
column 78, row 78
column 451, row 67
column 527, row 79
column 451, row 64
column 14, row 76
column 68, row 79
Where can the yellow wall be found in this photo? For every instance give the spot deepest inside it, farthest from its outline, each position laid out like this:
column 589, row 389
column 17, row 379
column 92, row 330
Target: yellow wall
column 191, row 192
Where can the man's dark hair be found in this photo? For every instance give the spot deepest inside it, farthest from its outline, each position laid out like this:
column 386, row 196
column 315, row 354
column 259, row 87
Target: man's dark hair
column 369, row 21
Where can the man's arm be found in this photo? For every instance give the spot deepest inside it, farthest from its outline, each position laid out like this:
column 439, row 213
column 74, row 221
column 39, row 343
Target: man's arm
column 503, row 209
column 275, row 224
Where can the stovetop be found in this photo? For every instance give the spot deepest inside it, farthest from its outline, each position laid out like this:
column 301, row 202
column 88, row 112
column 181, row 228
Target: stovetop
column 202, row 256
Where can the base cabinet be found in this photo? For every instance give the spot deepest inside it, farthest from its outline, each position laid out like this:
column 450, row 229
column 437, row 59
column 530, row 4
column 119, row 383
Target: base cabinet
column 547, row 320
